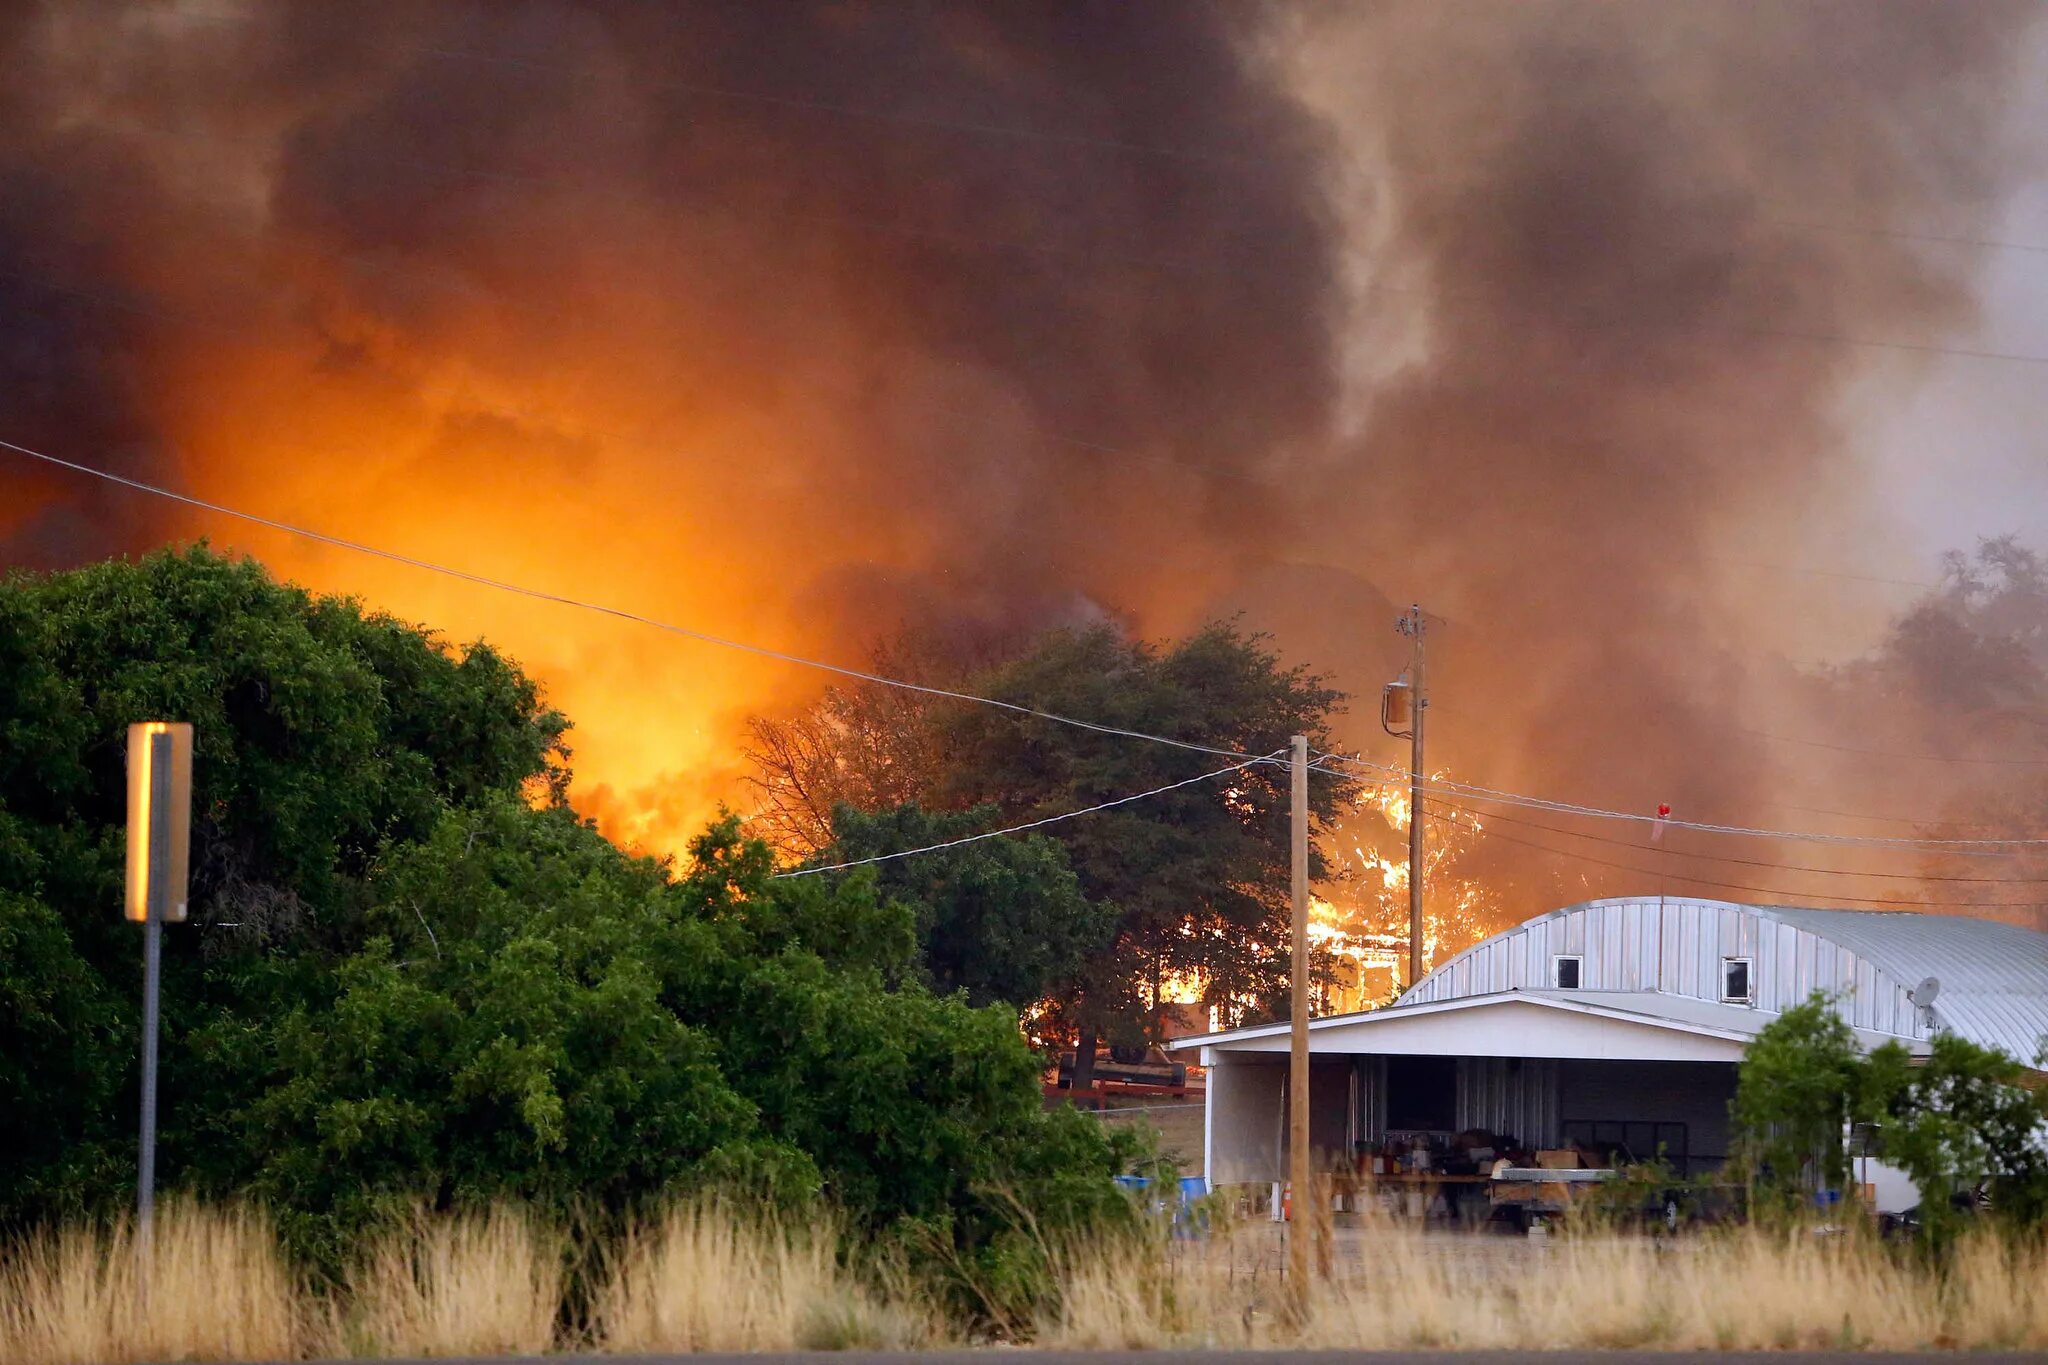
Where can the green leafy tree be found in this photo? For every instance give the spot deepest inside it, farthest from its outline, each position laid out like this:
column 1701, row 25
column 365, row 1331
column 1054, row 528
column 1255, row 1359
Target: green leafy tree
column 538, row 1015
column 501, row 1033
column 1199, row 874
column 414, row 974
column 1960, row 1120
column 1197, row 877
column 62, row 1039
column 323, row 734
column 1801, row 1084
column 1000, row 919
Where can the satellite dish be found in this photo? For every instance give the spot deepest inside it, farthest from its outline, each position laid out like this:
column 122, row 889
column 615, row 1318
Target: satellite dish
column 1924, row 994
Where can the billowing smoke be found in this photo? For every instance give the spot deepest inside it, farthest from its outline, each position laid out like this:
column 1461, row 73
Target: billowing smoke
column 806, row 323
column 1619, row 264
column 800, row 322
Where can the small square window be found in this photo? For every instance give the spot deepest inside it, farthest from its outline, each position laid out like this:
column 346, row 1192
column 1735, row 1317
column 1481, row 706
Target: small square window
column 1564, row 972
column 1735, row 988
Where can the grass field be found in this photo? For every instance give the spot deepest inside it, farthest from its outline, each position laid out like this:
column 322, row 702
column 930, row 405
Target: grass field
column 703, row 1278
column 1177, row 1125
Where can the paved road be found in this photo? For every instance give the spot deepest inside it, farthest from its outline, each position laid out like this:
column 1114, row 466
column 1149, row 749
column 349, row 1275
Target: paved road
column 1012, row 1356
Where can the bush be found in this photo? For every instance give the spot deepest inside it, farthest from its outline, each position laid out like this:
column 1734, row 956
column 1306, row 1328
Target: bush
column 416, row 979
column 1959, row 1122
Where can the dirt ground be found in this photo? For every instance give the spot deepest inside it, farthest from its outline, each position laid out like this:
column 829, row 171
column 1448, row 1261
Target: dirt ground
column 1355, row 1249
column 1177, row 1122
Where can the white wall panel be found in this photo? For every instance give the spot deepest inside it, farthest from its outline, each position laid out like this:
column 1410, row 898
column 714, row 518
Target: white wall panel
column 1678, row 946
column 1245, row 1120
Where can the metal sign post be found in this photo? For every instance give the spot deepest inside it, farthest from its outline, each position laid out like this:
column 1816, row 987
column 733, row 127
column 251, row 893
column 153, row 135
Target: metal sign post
column 159, row 854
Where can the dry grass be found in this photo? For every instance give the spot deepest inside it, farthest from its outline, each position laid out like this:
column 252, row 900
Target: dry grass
column 709, row 1277
column 458, row 1284
column 216, row 1287
column 2002, row 1291
column 706, row 1278
column 1739, row 1290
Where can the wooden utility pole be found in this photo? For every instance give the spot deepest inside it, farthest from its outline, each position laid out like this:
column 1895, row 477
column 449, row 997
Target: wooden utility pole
column 1301, row 1229
column 1411, row 625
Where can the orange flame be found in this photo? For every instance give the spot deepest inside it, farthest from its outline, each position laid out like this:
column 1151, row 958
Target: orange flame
column 1365, row 922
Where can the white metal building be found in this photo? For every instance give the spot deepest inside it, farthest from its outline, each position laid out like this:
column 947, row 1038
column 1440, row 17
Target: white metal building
column 1615, row 1022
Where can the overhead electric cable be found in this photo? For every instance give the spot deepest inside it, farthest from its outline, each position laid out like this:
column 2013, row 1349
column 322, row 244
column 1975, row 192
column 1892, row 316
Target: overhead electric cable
column 1877, row 819
column 1445, row 786
column 1031, row 825
column 542, row 595
column 1906, row 235
column 1889, row 753
column 1998, row 848
column 1767, row 890
column 1725, row 858
column 1585, row 317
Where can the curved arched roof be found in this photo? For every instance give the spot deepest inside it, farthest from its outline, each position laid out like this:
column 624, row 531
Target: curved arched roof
column 1994, row 976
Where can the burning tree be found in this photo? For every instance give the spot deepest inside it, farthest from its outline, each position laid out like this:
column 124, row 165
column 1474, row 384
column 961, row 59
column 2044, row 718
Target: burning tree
column 1197, row 877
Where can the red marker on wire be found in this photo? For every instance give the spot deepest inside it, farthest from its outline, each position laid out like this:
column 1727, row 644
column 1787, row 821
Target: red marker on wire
column 1663, row 820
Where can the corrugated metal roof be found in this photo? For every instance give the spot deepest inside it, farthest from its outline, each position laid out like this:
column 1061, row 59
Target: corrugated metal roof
column 1652, row 1007
column 1661, row 1005
column 1664, row 957
column 1994, row 976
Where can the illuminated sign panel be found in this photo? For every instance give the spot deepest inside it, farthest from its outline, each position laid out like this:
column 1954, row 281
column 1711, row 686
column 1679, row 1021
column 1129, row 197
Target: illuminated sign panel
column 159, row 818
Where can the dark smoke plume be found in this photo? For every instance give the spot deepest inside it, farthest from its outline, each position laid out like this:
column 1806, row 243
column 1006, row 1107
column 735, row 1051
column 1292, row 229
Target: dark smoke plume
column 840, row 318
column 815, row 321
column 1631, row 246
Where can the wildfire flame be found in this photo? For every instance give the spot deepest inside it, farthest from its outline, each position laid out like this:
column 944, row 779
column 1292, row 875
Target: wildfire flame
column 1360, row 927
column 1364, row 921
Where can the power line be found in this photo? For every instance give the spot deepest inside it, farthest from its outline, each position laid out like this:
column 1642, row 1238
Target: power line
column 1031, row 825
column 1888, row 753
column 1878, row 819
column 1492, row 795
column 1762, row 890
column 1951, row 848
column 1724, row 858
column 1905, row 235
column 1584, row 317
column 1495, row 796
column 539, row 594
column 1435, row 786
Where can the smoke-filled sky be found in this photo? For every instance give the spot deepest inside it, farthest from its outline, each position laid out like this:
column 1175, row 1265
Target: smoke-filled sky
column 1597, row 328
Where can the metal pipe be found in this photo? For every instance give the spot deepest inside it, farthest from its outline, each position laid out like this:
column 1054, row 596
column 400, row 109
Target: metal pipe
column 160, row 778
